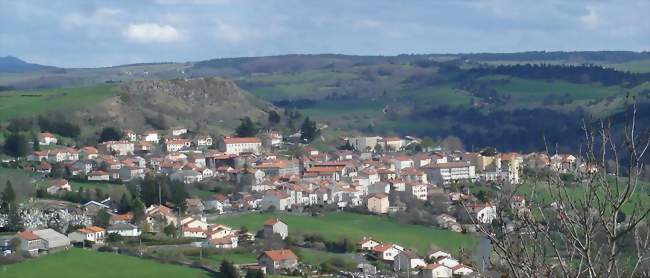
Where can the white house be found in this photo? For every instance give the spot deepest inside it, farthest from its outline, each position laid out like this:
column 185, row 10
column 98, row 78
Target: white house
column 92, row 233
column 237, row 145
column 367, row 244
column 483, row 213
column 386, row 251
column 151, row 136
column 124, row 229
column 59, row 185
column 436, row 271
column 177, row 131
column 46, row 138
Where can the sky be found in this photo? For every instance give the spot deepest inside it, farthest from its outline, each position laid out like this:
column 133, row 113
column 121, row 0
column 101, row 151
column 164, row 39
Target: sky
column 90, row 33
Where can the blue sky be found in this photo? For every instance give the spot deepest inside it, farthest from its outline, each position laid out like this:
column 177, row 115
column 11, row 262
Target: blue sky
column 89, row 33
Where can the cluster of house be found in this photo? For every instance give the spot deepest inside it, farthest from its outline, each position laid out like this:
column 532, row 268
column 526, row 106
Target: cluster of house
column 436, row 264
column 365, row 176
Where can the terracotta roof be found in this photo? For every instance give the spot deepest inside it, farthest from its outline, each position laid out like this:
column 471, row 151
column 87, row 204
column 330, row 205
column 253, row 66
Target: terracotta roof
column 280, row 255
column 28, row 235
column 97, row 173
column 320, row 169
column 240, row 140
column 91, row 229
column 45, row 134
column 122, row 217
column 272, row 221
column 381, row 248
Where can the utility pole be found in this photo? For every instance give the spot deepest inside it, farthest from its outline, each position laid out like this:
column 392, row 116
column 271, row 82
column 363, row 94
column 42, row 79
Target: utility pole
column 159, row 194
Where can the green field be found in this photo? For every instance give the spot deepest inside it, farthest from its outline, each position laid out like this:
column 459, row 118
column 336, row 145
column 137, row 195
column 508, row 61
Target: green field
column 317, row 257
column 527, row 90
column 16, row 104
column 577, row 192
column 92, row 264
column 334, row 226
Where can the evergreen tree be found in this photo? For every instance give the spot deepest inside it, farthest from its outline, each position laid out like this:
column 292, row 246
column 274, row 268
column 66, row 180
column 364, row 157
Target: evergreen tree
column 110, row 134
column 125, row 205
column 9, row 195
column 16, row 145
column 15, row 220
column 36, row 146
column 138, row 210
column 228, row 269
column 170, row 230
column 246, row 128
column 308, row 130
column 102, row 219
column 274, row 117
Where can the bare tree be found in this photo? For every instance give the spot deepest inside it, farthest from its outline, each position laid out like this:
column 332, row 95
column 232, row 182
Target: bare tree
column 595, row 227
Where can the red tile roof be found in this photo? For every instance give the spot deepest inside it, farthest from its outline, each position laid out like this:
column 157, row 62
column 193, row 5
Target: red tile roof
column 280, row 255
column 28, row 235
column 272, row 221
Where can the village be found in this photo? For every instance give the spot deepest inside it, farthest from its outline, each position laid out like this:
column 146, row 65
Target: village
column 268, row 173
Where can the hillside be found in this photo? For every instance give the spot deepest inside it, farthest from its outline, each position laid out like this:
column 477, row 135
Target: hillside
column 16, row 65
column 486, row 99
column 207, row 105
column 196, row 103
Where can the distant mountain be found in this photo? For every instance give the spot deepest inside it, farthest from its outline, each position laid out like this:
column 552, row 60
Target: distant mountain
column 16, row 65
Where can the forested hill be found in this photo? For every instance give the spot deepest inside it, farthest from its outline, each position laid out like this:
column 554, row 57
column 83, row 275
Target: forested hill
column 510, row 101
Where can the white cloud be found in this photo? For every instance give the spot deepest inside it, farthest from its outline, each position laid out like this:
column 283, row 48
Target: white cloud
column 591, row 20
column 152, row 32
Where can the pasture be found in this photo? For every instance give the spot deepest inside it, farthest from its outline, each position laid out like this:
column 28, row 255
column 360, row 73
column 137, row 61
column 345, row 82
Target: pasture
column 17, row 104
column 339, row 225
column 91, row 264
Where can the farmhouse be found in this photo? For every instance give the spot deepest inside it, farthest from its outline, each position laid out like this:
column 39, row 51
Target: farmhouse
column 386, row 251
column 278, row 260
column 46, row 138
column 275, row 226
column 98, row 176
column 58, row 185
column 408, row 260
column 29, row 242
column 367, row 244
column 92, row 233
column 435, row 271
column 52, row 240
column 124, row 229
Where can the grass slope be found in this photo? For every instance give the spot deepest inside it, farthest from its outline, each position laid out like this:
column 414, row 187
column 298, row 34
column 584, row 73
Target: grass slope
column 339, row 225
column 16, row 104
column 91, row 264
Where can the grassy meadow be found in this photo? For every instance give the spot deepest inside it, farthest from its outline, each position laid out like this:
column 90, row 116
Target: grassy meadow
column 16, row 104
column 91, row 264
column 338, row 225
